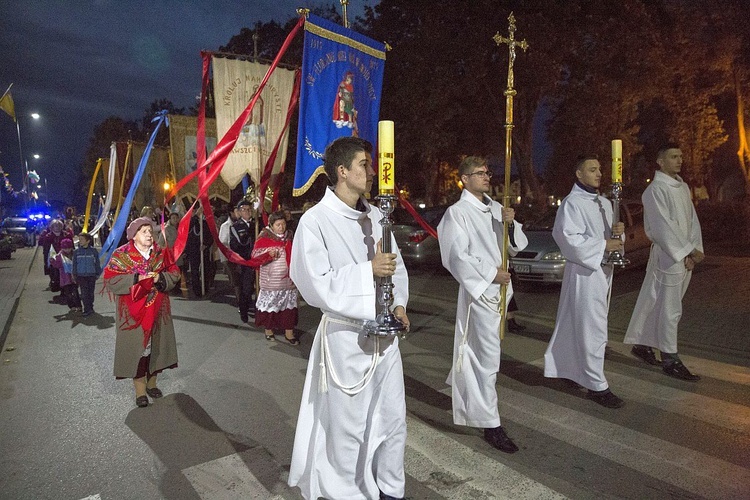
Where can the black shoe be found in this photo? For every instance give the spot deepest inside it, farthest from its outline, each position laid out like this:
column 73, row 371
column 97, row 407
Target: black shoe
column 515, row 327
column 677, row 370
column 498, row 439
column 605, row 398
column 383, row 496
column 646, row 354
column 141, row 401
column 154, row 393
column 244, row 318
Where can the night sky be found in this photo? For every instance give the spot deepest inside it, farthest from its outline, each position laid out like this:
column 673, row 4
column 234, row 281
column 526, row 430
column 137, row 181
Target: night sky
column 78, row 62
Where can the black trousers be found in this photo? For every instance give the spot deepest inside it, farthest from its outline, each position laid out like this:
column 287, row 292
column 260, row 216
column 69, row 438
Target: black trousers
column 246, row 286
column 87, row 284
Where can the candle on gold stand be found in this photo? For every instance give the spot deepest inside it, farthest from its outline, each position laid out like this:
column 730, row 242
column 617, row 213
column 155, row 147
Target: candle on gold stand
column 616, row 258
column 385, row 323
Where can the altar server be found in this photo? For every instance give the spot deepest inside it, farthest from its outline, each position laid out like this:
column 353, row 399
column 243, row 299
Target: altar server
column 585, row 234
column 471, row 238
column 672, row 225
column 351, row 429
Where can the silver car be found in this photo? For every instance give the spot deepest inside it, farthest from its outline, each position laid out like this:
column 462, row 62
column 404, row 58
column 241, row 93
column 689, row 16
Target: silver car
column 417, row 247
column 541, row 261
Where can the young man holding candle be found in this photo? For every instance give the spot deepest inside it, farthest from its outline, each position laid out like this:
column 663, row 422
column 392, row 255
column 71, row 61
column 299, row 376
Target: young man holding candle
column 471, row 238
column 672, row 225
column 351, row 429
column 586, row 235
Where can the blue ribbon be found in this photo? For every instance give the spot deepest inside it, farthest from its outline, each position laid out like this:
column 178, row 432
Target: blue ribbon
column 110, row 245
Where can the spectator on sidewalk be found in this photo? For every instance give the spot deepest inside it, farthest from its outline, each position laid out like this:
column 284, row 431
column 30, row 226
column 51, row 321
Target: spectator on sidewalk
column 63, row 263
column 586, row 235
column 140, row 275
column 86, row 270
column 50, row 240
column 276, row 307
column 671, row 223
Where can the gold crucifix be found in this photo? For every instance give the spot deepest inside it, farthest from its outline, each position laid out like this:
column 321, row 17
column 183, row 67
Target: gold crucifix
column 512, row 44
column 509, row 93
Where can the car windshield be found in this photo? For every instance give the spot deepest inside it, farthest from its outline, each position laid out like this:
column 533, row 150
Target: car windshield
column 544, row 223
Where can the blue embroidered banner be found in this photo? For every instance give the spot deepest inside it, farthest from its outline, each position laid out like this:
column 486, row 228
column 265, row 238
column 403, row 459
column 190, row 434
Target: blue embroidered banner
column 109, row 246
column 342, row 78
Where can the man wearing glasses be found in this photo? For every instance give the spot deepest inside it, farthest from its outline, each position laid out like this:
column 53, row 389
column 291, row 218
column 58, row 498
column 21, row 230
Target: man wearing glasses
column 471, row 239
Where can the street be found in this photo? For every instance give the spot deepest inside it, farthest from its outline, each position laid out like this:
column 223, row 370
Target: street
column 225, row 428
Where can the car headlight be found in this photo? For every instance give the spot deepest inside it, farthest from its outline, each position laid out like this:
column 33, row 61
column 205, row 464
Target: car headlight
column 553, row 256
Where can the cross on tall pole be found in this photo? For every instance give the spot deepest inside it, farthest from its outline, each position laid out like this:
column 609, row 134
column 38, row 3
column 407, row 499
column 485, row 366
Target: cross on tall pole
column 510, row 92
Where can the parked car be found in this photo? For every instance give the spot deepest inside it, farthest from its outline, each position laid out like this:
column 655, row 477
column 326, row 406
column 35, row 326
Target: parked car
column 15, row 227
column 417, row 247
column 541, row 261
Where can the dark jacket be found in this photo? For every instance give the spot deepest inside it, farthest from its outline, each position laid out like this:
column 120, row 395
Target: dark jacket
column 242, row 238
column 86, row 262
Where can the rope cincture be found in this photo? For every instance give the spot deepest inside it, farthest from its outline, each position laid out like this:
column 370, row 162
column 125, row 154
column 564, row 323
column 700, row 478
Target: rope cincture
column 326, row 364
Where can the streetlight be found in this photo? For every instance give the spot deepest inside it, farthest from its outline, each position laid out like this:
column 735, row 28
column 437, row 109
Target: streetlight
column 35, row 116
column 36, row 156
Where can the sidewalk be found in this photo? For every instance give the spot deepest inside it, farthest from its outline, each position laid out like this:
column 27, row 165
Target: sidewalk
column 13, row 274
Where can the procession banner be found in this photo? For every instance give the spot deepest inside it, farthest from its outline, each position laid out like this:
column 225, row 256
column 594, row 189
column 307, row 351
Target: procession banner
column 342, row 78
column 235, row 84
column 183, row 132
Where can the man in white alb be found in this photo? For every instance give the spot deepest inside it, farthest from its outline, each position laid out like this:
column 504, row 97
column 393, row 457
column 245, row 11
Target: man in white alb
column 471, row 238
column 672, row 225
column 585, row 234
column 351, row 429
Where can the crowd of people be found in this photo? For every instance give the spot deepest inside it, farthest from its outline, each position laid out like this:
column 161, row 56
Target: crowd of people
column 351, row 428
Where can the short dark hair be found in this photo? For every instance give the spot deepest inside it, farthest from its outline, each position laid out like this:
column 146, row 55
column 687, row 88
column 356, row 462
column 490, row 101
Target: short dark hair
column 666, row 147
column 85, row 235
column 583, row 159
column 469, row 163
column 342, row 152
column 276, row 216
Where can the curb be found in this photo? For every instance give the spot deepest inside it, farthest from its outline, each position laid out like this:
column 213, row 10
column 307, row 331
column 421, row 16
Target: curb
column 16, row 300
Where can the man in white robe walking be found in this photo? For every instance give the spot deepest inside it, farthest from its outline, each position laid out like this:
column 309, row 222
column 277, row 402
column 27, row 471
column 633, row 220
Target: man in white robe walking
column 672, row 226
column 585, row 234
column 471, row 238
column 351, row 429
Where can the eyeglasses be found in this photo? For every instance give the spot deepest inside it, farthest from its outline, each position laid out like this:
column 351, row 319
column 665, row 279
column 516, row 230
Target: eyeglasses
column 481, row 173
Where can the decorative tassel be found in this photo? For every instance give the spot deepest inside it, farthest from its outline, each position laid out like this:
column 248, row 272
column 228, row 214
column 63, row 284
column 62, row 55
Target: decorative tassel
column 323, row 380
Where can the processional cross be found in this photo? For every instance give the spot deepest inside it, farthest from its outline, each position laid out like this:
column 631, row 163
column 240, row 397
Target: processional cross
column 509, row 93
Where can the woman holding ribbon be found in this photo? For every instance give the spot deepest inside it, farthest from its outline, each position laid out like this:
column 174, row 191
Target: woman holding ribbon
column 276, row 307
column 139, row 275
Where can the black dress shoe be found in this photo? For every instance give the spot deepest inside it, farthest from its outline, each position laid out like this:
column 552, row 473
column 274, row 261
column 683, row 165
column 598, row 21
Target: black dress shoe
column 515, row 327
column 154, row 393
column 646, row 354
column 141, row 401
column 244, row 318
column 498, row 439
column 677, row 370
column 605, row 398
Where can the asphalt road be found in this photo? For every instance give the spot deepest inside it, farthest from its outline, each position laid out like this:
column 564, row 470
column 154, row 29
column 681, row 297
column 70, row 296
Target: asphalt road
column 224, row 430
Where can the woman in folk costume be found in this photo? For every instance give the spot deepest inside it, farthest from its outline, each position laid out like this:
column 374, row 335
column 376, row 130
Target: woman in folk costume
column 276, row 307
column 140, row 274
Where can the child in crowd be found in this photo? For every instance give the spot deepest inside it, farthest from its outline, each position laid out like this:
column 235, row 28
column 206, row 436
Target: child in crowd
column 64, row 263
column 86, row 269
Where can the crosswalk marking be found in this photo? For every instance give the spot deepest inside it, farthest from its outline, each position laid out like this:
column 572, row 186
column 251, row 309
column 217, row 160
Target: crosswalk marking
column 463, row 473
column 226, row 478
column 714, row 411
column 677, row 465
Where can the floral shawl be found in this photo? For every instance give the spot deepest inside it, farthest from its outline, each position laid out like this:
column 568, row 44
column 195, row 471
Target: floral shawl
column 142, row 307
